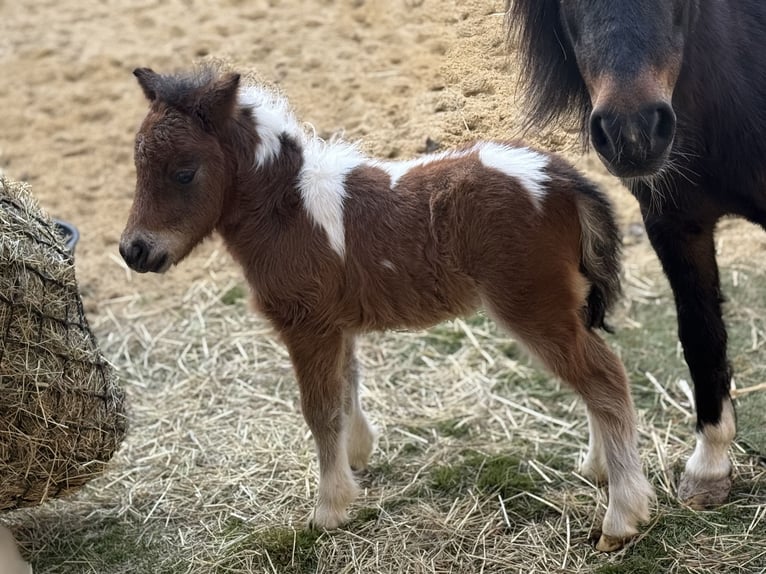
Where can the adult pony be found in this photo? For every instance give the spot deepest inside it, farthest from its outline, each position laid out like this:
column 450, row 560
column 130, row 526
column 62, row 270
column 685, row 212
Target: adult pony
column 334, row 244
column 674, row 101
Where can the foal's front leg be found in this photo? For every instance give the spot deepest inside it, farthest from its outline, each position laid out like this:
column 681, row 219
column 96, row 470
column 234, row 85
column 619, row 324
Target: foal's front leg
column 361, row 435
column 319, row 366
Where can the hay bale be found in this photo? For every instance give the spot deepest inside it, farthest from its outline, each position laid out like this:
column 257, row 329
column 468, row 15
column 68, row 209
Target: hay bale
column 61, row 413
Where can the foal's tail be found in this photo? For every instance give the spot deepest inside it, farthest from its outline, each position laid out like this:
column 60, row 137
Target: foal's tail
column 601, row 253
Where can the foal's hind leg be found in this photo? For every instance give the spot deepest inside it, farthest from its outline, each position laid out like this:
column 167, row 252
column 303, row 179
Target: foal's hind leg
column 582, row 359
column 361, row 435
column 594, row 465
column 319, row 366
column 585, row 362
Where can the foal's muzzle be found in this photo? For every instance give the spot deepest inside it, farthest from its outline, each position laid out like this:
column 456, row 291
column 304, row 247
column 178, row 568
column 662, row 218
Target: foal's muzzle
column 633, row 144
column 142, row 256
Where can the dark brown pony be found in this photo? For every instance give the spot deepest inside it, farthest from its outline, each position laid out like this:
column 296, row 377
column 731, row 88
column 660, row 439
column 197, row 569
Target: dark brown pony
column 674, row 101
column 335, row 244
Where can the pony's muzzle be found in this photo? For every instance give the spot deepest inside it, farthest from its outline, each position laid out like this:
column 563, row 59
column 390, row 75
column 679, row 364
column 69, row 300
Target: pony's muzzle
column 142, row 256
column 633, row 144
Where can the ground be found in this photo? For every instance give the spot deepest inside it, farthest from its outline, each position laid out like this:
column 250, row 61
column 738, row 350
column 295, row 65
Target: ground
column 218, row 471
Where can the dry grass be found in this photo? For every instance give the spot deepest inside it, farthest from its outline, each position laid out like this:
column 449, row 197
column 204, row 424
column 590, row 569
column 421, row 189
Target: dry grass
column 475, row 469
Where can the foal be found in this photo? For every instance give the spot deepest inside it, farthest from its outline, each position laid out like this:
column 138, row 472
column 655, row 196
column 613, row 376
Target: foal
column 335, row 244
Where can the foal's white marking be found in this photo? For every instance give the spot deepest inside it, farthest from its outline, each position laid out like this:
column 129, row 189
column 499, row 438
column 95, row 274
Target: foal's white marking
column 521, row 163
column 272, row 116
column 322, row 185
column 594, row 465
column 710, row 459
column 396, row 169
column 325, row 165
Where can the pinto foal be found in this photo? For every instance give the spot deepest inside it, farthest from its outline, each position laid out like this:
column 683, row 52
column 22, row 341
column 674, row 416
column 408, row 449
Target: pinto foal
column 335, row 244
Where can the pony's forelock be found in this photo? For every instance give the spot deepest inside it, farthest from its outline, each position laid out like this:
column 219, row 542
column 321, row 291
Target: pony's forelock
column 555, row 93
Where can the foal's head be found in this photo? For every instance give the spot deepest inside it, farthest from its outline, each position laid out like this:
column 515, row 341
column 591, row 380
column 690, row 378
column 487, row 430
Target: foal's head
column 629, row 53
column 182, row 174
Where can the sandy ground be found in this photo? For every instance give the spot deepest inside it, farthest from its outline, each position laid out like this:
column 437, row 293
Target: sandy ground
column 389, row 73
column 375, row 70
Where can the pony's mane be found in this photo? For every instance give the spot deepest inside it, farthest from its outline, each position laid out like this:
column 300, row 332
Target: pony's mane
column 555, row 93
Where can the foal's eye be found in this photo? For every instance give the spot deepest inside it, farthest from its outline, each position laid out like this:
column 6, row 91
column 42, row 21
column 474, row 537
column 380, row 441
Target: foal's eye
column 184, row 176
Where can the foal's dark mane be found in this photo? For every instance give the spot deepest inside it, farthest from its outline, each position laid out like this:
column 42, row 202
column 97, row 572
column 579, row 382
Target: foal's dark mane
column 176, row 90
column 555, row 92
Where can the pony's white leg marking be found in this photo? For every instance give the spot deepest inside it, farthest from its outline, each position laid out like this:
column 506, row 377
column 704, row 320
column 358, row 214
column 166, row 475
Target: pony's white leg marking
column 710, row 460
column 594, row 465
column 322, row 186
column 706, row 481
column 521, row 163
column 337, row 488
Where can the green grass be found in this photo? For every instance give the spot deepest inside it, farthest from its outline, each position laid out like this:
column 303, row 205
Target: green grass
column 234, row 295
column 290, row 551
column 96, row 545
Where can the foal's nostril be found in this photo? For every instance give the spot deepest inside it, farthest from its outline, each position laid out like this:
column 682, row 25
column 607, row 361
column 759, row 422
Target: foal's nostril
column 135, row 253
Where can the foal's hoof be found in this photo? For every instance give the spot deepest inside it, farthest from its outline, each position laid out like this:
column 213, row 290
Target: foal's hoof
column 327, row 519
column 608, row 543
column 699, row 494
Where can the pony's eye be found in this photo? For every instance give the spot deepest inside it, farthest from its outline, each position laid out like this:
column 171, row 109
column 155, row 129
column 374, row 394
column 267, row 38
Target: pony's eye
column 184, row 176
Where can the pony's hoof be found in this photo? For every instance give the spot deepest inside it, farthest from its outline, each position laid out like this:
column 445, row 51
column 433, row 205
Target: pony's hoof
column 608, row 543
column 699, row 494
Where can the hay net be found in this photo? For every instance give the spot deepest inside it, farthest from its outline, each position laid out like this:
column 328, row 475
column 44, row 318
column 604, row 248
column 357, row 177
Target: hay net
column 61, row 412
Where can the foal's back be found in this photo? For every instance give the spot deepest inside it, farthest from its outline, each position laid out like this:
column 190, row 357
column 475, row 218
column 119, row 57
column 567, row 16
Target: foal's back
column 424, row 240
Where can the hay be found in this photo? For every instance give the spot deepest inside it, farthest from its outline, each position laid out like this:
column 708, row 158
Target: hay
column 61, row 413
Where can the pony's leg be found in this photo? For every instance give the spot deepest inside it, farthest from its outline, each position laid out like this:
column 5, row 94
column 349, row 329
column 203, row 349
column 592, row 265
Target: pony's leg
column 687, row 252
column 318, row 362
column 594, row 465
column 361, row 435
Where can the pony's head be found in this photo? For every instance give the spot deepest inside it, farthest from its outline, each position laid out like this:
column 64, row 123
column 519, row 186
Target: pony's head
column 182, row 175
column 617, row 63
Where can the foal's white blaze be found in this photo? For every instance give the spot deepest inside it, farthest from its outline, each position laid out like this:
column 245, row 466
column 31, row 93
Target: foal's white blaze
column 322, row 186
column 272, row 116
column 524, row 164
column 710, row 459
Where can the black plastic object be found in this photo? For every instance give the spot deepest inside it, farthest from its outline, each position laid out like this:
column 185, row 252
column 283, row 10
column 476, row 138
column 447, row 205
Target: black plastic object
column 69, row 232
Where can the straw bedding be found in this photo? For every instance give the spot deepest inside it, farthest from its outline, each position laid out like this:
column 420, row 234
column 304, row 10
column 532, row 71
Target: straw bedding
column 61, row 413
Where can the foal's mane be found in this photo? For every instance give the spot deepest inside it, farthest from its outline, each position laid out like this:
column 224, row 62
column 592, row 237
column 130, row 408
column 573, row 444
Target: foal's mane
column 555, row 93
column 176, row 90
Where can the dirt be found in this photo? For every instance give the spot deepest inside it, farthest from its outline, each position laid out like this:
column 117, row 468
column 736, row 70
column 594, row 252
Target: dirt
column 391, row 73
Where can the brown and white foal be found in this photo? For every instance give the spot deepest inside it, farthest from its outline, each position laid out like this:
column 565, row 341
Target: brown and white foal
column 334, row 244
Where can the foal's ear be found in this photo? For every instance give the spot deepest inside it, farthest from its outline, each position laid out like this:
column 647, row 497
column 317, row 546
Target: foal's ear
column 147, row 79
column 216, row 103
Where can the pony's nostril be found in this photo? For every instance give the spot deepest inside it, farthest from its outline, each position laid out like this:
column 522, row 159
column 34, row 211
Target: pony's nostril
column 662, row 126
column 602, row 141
